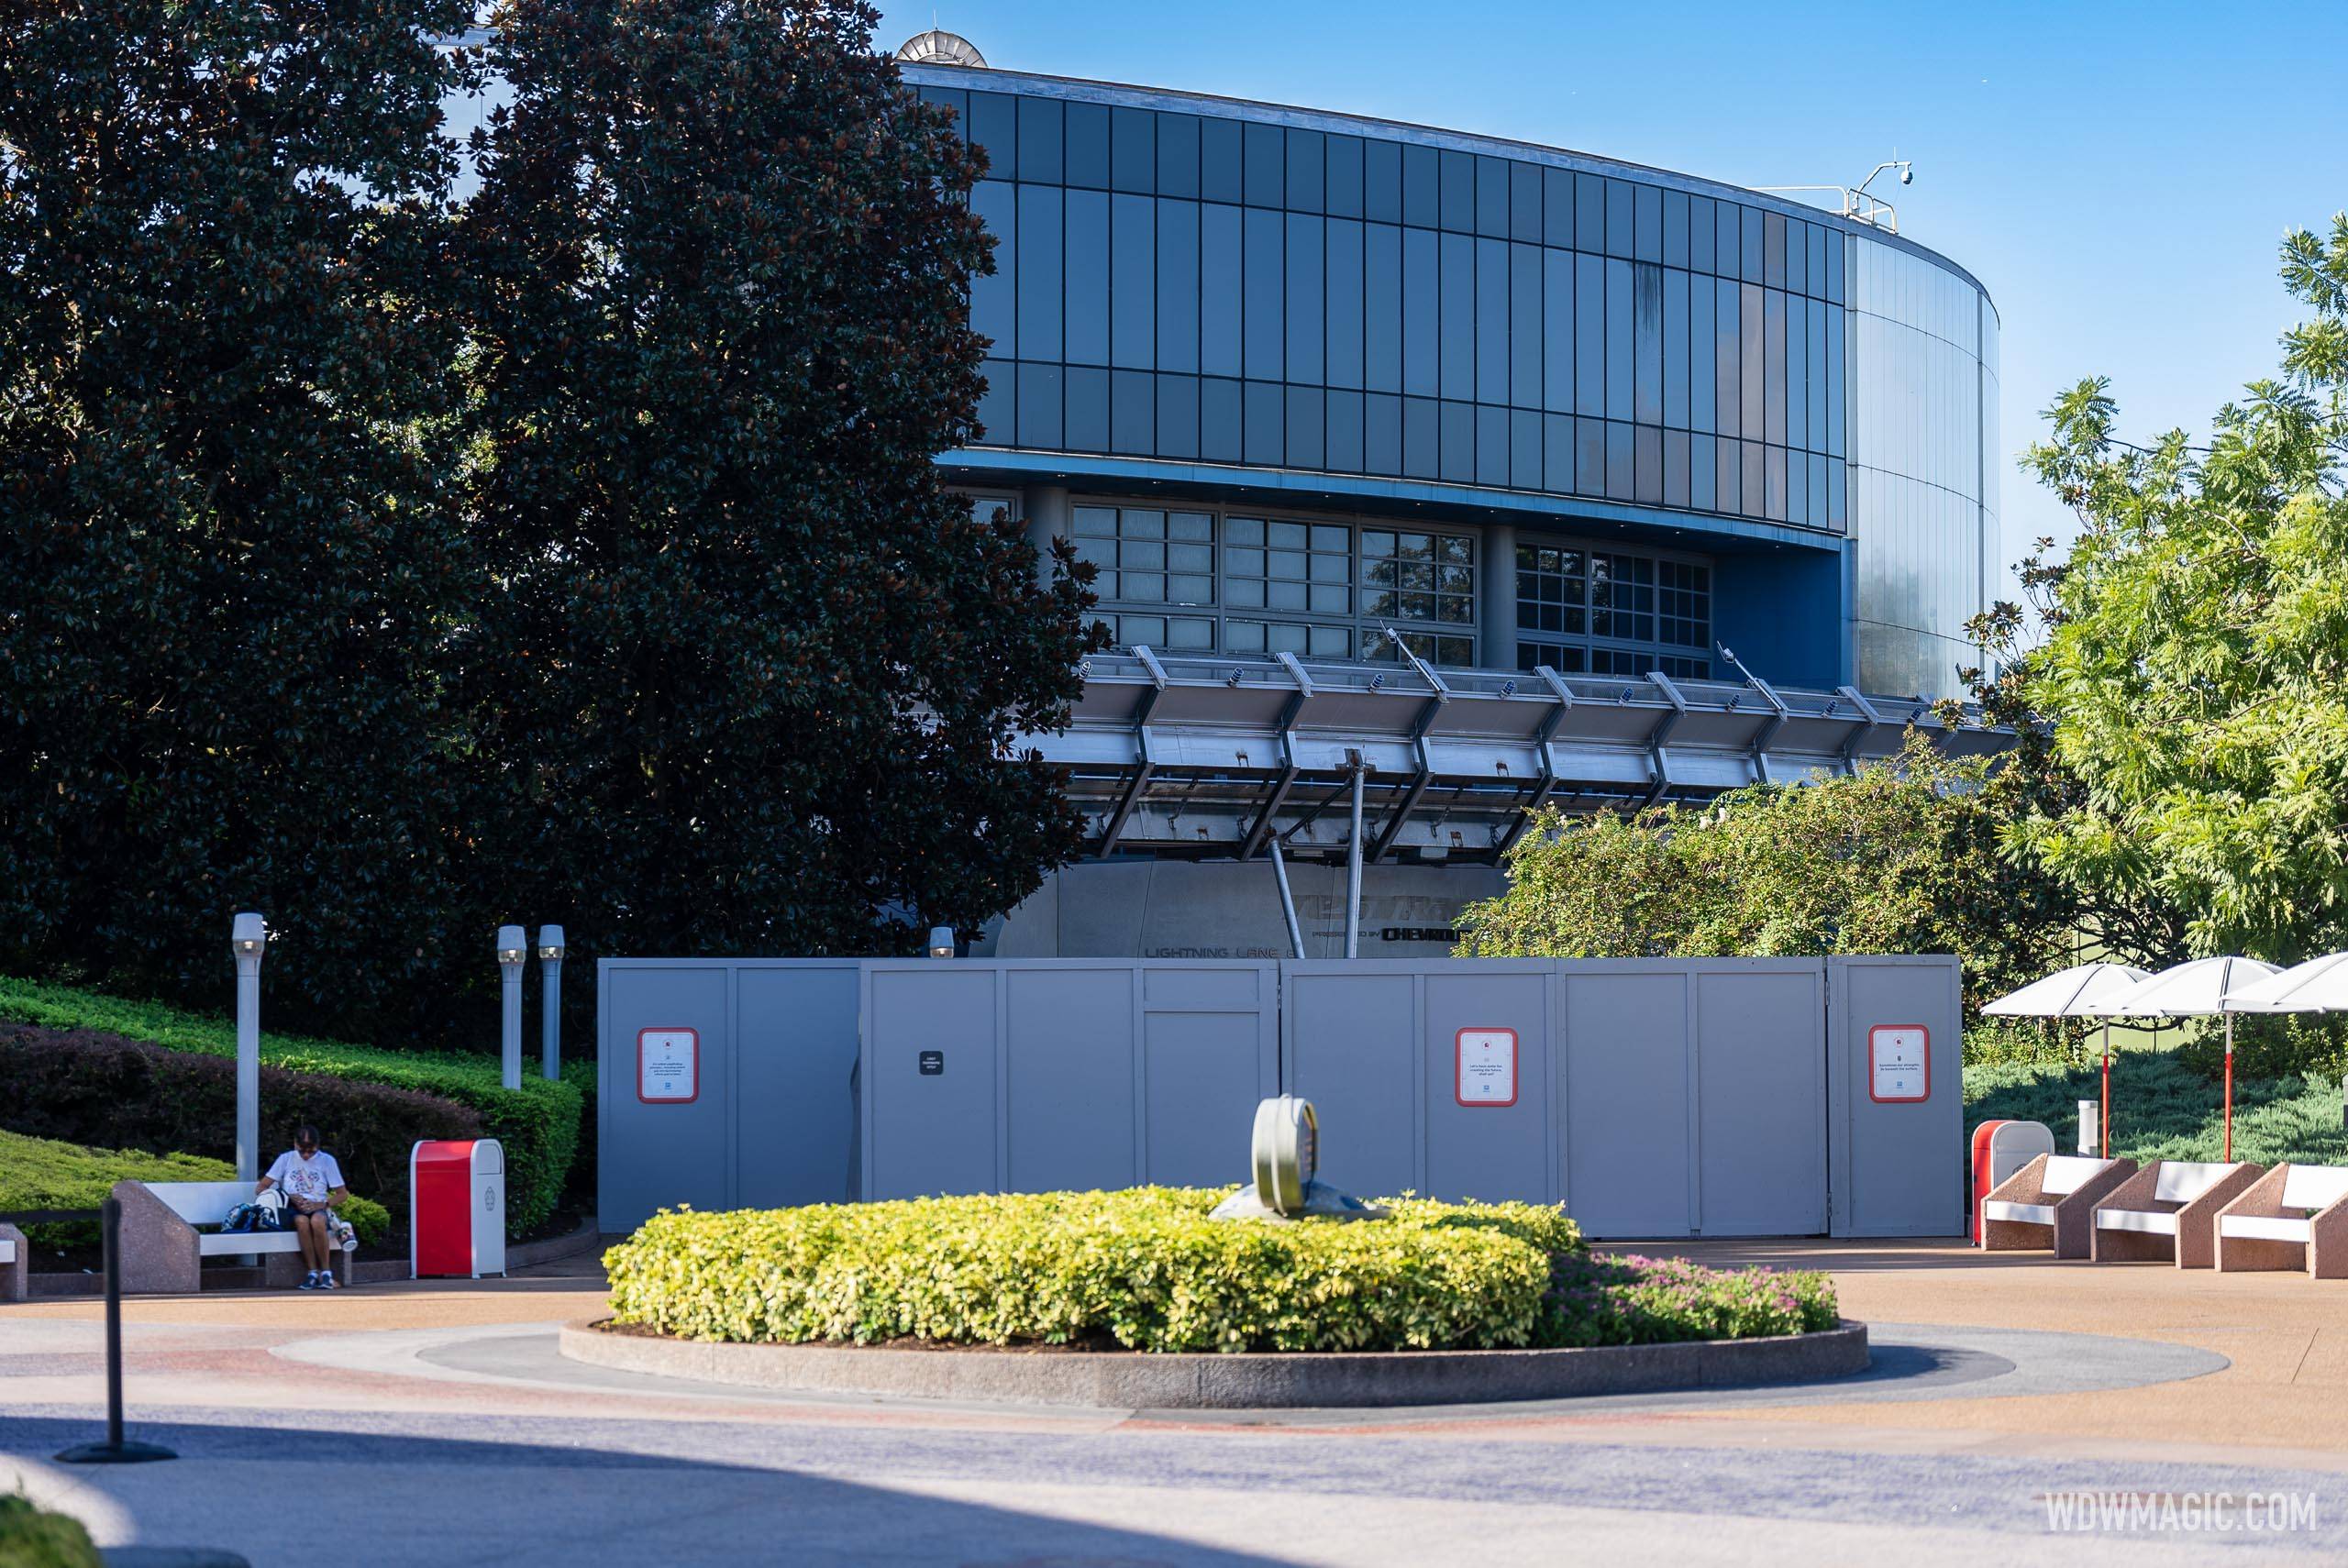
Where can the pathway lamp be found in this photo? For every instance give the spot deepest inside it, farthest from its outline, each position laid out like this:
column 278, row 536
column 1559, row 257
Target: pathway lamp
column 551, row 1003
column 513, row 948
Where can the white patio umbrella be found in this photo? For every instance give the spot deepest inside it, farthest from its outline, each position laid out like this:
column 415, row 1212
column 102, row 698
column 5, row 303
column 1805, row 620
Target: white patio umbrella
column 2320, row 985
column 2083, row 990
column 2198, row 989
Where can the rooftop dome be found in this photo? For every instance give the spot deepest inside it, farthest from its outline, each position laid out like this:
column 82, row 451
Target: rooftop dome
column 938, row 47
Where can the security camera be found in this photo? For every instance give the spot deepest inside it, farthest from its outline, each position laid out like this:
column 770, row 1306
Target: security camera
column 1907, row 176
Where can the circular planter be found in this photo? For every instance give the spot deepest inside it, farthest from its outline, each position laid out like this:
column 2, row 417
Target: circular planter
column 1132, row 1380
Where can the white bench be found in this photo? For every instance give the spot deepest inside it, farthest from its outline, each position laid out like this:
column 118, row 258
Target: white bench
column 2294, row 1217
column 163, row 1248
column 2168, row 1210
column 2049, row 1203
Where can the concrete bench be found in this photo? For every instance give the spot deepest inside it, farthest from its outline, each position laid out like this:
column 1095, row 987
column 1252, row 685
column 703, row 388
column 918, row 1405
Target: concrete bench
column 2050, row 1202
column 2293, row 1217
column 16, row 1258
column 163, row 1251
column 2168, row 1212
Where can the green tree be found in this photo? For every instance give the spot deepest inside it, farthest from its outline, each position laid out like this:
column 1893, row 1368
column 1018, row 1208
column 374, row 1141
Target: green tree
column 752, row 675
column 1900, row 859
column 226, row 440
column 2195, row 668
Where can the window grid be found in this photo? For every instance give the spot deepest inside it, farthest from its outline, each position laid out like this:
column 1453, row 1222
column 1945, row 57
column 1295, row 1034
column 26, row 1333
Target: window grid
column 1571, row 603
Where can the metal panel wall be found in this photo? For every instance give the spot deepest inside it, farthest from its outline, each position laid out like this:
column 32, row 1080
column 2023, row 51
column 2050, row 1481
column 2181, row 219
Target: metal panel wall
column 1897, row 1166
column 771, row 1119
column 1031, row 1076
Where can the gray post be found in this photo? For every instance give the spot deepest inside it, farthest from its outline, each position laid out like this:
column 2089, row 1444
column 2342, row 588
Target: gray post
column 1287, row 903
column 551, row 1003
column 512, row 948
column 1496, row 607
column 1353, row 872
column 248, row 935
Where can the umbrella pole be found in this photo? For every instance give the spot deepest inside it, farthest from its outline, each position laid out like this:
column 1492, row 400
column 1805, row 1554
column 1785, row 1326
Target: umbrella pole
column 2103, row 1148
column 2230, row 1089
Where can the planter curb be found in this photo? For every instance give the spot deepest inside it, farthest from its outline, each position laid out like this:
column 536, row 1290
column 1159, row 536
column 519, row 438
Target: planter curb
column 1295, row 1380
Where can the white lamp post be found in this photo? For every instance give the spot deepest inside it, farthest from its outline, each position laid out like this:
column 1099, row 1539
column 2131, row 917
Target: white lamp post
column 512, row 947
column 550, row 1024
column 248, row 935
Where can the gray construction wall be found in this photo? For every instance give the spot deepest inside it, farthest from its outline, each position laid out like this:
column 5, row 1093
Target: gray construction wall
column 1653, row 1098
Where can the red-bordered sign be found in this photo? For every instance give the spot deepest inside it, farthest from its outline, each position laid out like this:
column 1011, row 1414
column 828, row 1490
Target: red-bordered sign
column 1484, row 1065
column 668, row 1066
column 1900, row 1064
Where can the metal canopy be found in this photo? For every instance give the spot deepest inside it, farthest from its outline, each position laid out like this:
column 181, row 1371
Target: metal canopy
column 1206, row 757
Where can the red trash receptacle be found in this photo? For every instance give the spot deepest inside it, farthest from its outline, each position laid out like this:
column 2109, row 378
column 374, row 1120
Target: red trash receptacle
column 456, row 1208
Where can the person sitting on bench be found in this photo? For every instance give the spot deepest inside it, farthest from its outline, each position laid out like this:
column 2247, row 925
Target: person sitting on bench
column 312, row 1182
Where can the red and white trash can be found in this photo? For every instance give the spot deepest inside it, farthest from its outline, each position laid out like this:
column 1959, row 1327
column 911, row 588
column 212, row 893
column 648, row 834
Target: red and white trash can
column 456, row 1208
column 2000, row 1149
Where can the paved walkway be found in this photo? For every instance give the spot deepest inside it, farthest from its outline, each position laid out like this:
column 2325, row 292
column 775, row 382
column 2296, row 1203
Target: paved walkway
column 437, row 1426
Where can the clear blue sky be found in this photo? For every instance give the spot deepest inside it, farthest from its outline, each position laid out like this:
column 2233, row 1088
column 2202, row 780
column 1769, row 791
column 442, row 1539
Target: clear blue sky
column 2118, row 176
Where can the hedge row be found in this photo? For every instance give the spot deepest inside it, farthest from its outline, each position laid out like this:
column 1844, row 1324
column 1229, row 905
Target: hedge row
column 539, row 1124
column 87, row 1088
column 1626, row 1300
column 1144, row 1269
column 41, row 1173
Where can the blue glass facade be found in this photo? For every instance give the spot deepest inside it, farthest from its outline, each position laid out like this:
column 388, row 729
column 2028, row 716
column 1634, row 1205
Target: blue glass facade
column 1477, row 361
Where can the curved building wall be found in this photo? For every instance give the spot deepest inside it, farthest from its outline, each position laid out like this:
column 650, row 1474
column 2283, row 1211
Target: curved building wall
column 1602, row 397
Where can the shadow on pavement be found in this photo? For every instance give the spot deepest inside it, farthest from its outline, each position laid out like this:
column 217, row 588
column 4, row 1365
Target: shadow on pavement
column 397, row 1500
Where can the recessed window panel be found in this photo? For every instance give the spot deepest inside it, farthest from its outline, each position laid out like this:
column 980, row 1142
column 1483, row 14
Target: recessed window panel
column 1086, row 299
column 1382, row 434
column 1421, row 185
column 1622, row 596
column 1421, row 438
column 1177, row 281
column 1621, row 219
column 1797, row 487
column 1557, row 208
column 1133, row 282
column 1381, row 308
column 1307, row 171
column 1701, row 370
column 1132, row 413
column 1647, row 223
column 1039, row 405
column 1178, row 155
column 1040, row 140
column 1622, row 462
column 1305, row 307
column 1087, row 146
column 1590, row 456
column 1728, row 351
column 1040, row 295
column 1675, row 467
column 1307, row 444
column 1381, row 181
column 1755, row 471
column 1344, row 283
column 1087, row 418
column 1221, row 289
column 1267, row 420
column 1558, row 333
column 1492, row 446
column 1261, row 264
column 1421, row 324
column 1674, row 228
column 994, row 128
column 994, row 298
column 1646, row 342
column 1492, row 196
column 1590, row 214
column 1699, row 234
column 1458, row 188
column 1552, row 589
column 1814, row 358
column 1675, row 348
column 1220, row 420
column 1533, row 656
column 1133, row 150
column 1459, row 291
column 1178, row 417
column 1775, row 480
column 1773, row 364
column 1728, row 227
column 1525, row 343
column 1589, row 336
column 1459, row 452
column 1557, row 453
column 1492, row 321
column 1524, row 449
column 998, row 404
column 1773, row 249
column 1412, row 575
column 1755, row 359
column 1345, row 431
column 1796, row 257
column 1621, row 342
column 1344, row 156
column 1524, row 202
column 1749, row 245
column 1264, row 150
column 1221, row 177
column 1647, row 487
column 1703, row 486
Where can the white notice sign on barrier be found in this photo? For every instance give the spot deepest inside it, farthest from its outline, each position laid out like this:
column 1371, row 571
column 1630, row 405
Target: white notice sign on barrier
column 1899, row 1063
column 1486, row 1066
column 668, row 1066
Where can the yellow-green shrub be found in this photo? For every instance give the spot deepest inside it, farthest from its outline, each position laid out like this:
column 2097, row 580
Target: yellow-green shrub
column 1145, row 1269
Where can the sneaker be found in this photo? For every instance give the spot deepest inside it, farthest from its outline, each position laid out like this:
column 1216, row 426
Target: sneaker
column 310, row 1283
column 326, row 1280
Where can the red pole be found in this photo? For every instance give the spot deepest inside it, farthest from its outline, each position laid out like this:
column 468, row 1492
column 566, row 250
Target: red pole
column 2230, row 1089
column 2104, row 1147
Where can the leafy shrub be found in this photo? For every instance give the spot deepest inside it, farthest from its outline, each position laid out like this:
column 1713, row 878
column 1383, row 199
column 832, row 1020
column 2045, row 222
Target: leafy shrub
column 42, row 1173
column 1626, row 1299
column 2304, row 1045
column 86, row 1087
column 539, row 1124
column 1144, row 1269
column 2033, row 1041
column 32, row 1538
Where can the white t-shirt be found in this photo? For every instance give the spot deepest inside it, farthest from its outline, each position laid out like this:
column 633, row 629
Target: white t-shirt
column 312, row 1178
